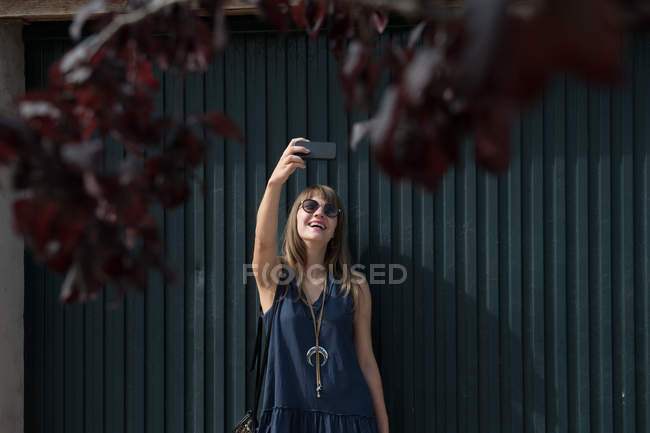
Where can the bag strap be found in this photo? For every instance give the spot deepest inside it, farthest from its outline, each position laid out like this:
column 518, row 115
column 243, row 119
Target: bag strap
column 261, row 369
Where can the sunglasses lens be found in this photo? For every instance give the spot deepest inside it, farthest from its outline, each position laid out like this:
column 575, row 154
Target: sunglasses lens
column 330, row 210
column 310, row 205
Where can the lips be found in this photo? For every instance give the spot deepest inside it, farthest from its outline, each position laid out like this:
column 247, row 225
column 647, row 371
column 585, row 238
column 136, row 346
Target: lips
column 317, row 225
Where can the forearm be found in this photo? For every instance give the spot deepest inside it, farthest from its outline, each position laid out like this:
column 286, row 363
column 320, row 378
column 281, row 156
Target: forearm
column 371, row 373
column 267, row 215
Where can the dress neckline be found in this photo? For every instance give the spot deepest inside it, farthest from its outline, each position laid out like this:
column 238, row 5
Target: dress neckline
column 323, row 292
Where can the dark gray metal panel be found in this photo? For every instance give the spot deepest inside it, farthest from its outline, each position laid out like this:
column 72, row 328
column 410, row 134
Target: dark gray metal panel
column 510, row 299
column 623, row 254
column 641, row 293
column 256, row 157
column 555, row 226
column 174, row 235
column 533, row 210
column 194, row 250
column 317, row 102
column 114, row 334
column 577, row 258
column 235, row 225
column 277, row 91
column 487, row 253
column 466, row 295
column 446, row 365
column 599, row 223
column 526, row 306
column 215, row 259
column 34, row 326
column 155, row 322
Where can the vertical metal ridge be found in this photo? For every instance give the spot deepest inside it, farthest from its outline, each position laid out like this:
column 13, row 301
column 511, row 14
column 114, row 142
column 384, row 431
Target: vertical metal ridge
column 554, row 186
column 600, row 260
column 622, row 187
column 194, row 275
column 577, row 258
column 642, row 230
column 466, row 295
column 533, row 212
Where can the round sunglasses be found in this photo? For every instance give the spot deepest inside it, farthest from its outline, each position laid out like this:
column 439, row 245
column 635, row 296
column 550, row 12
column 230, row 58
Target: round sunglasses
column 310, row 206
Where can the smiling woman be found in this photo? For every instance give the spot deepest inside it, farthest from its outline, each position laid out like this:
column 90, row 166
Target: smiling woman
column 321, row 375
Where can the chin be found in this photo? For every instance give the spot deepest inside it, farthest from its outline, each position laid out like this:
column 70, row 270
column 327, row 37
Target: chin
column 313, row 238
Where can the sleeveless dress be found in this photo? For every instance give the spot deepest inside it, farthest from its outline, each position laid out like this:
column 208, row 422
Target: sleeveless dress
column 290, row 404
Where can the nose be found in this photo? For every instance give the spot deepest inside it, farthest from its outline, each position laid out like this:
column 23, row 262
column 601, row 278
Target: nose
column 320, row 212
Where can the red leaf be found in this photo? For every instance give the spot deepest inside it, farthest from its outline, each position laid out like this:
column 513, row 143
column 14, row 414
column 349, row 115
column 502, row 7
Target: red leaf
column 153, row 166
column 380, row 20
column 70, row 231
column 593, row 47
column 144, row 75
column 98, row 57
column 44, row 219
column 387, row 116
column 55, row 74
column 359, row 131
column 34, row 220
column 276, row 12
column 91, row 185
column 298, row 14
column 341, row 25
column 190, row 146
column 14, row 134
column 315, row 11
column 193, row 150
column 221, row 125
column 416, row 34
column 492, row 139
column 7, row 152
column 220, row 32
column 174, row 194
column 24, row 211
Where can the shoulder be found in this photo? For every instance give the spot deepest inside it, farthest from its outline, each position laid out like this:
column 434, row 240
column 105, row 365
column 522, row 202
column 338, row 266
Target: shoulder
column 362, row 284
column 359, row 278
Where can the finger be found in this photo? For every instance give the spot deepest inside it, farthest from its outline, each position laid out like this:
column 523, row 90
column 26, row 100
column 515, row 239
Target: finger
column 296, row 140
column 288, row 150
column 294, row 158
column 295, row 165
column 302, row 149
column 300, row 163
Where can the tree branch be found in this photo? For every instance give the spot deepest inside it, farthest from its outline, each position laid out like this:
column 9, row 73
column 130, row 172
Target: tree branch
column 85, row 50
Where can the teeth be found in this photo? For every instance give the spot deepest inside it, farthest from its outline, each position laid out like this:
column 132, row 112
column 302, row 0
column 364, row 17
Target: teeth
column 317, row 225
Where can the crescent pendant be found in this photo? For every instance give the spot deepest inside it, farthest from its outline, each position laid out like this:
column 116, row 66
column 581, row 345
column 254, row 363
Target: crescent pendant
column 317, row 349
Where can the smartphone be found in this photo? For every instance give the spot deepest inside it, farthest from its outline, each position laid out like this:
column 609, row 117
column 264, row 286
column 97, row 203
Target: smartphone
column 319, row 150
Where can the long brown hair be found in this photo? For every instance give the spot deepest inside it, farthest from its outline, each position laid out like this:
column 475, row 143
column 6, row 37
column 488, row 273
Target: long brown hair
column 337, row 260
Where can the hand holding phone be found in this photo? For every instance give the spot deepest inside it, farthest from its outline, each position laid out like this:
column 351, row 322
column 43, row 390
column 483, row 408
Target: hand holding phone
column 319, row 150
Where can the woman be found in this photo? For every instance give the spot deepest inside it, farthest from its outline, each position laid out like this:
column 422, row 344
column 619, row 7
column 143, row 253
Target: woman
column 322, row 376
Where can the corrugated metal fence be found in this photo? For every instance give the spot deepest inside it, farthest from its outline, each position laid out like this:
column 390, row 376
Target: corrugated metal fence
column 526, row 305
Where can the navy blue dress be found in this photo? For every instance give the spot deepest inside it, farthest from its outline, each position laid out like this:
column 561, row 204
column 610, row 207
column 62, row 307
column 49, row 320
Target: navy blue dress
column 290, row 404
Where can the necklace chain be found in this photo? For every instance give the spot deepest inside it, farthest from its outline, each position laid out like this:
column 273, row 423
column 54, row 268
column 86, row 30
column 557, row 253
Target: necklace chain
column 319, row 386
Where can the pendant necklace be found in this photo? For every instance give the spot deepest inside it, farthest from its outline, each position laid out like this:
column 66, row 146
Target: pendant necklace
column 317, row 349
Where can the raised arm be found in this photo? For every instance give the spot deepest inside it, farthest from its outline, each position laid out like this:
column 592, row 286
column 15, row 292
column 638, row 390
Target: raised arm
column 265, row 249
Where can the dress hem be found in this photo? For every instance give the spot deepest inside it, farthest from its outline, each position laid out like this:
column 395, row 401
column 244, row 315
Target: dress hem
column 325, row 412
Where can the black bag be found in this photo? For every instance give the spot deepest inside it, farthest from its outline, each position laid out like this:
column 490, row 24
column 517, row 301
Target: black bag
column 249, row 422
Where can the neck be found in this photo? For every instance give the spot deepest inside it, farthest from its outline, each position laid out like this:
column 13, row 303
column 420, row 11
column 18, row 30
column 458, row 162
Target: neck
column 315, row 268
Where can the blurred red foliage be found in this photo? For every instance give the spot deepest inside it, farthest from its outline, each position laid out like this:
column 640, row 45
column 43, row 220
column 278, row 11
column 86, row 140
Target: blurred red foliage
column 461, row 77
